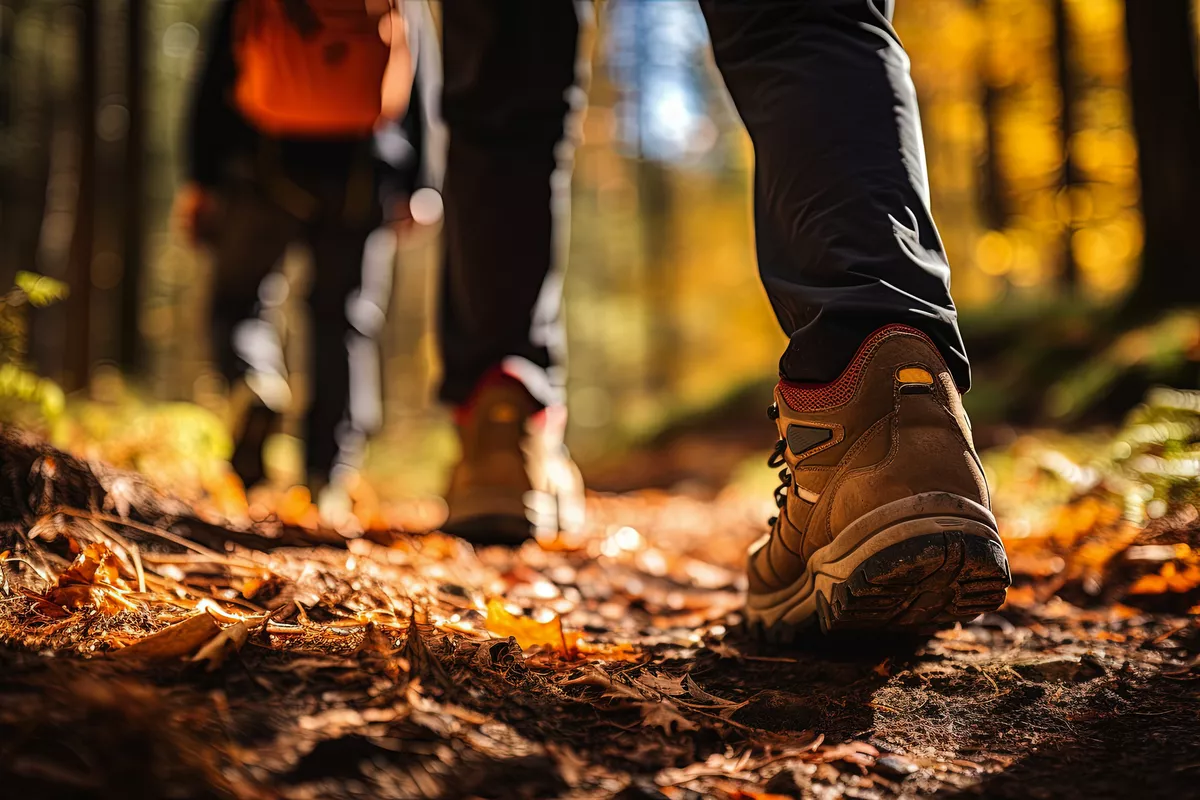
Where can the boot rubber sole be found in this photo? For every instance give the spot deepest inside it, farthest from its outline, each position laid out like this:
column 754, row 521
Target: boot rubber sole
column 491, row 529
column 911, row 566
column 486, row 515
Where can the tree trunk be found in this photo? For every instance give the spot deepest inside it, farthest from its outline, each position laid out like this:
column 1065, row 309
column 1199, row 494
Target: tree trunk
column 26, row 114
column 993, row 195
column 655, row 206
column 134, row 208
column 993, row 198
column 77, row 351
column 1166, row 119
column 1069, row 274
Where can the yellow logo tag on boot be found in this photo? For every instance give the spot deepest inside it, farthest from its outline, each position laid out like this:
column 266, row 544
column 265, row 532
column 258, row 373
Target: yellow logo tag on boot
column 914, row 375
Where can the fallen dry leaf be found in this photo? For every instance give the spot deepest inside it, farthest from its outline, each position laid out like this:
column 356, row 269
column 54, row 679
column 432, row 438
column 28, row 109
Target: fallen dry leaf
column 225, row 643
column 528, row 631
column 198, row 638
column 665, row 715
column 94, row 564
column 92, row 581
column 698, row 693
column 663, row 684
column 174, row 642
column 593, row 675
column 1170, row 578
column 296, row 508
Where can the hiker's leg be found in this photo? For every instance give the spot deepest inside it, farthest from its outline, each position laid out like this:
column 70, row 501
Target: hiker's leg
column 879, row 472
column 845, row 237
column 510, row 86
column 352, row 280
column 250, row 238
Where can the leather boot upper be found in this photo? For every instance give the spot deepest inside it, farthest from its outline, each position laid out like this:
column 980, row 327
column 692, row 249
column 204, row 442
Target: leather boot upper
column 890, row 427
column 514, row 462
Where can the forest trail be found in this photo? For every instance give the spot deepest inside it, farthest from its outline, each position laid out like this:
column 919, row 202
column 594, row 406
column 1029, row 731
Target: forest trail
column 163, row 653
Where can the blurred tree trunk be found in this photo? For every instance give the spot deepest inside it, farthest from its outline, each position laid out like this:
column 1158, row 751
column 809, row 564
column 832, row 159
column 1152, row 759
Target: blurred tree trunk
column 129, row 345
column 655, row 206
column 77, row 349
column 9, row 140
column 1166, row 119
column 25, row 131
column 1069, row 275
column 993, row 195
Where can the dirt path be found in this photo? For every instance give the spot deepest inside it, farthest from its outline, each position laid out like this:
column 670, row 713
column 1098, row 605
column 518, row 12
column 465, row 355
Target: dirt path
column 1022, row 704
column 414, row 666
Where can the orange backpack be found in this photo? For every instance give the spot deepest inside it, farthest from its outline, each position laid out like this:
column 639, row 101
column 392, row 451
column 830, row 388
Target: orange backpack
column 312, row 67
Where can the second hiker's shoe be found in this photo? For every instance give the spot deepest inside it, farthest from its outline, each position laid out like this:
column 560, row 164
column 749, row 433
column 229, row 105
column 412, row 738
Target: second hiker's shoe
column 515, row 480
column 257, row 424
column 255, row 411
column 884, row 519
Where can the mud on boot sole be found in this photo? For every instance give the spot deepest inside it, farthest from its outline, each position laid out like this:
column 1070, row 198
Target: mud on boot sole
column 919, row 584
column 910, row 566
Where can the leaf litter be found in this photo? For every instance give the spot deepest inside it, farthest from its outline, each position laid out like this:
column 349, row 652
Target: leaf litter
column 163, row 644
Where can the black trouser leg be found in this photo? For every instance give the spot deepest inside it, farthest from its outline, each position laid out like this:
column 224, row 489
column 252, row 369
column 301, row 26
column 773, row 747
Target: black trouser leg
column 250, row 239
column 846, row 243
column 350, row 287
column 510, row 67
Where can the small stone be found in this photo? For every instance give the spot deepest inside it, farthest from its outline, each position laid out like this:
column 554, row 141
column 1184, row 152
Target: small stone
column 894, row 766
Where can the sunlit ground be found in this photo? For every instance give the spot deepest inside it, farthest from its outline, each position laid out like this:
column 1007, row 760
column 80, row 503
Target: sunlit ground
column 610, row 658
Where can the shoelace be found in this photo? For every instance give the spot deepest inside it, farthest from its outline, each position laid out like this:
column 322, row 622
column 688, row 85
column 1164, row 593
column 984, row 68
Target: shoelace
column 777, row 459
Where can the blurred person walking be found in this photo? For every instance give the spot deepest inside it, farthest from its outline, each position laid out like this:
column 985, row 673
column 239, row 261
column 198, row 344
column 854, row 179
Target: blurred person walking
column 884, row 518
column 306, row 127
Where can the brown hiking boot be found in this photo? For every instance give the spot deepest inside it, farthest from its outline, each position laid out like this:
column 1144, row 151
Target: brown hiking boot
column 884, row 516
column 516, row 479
column 255, row 420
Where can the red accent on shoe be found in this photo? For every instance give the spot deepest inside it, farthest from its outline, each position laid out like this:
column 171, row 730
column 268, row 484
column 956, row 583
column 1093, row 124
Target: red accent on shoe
column 545, row 418
column 493, row 377
column 811, row 397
